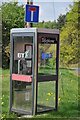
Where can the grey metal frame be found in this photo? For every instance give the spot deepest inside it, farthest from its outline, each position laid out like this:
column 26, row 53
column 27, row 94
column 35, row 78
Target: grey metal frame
column 11, row 37
column 11, row 63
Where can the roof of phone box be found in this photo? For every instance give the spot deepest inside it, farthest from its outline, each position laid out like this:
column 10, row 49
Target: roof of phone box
column 39, row 30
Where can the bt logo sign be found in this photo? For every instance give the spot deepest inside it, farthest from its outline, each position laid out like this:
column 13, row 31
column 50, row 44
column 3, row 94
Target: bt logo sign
column 27, row 54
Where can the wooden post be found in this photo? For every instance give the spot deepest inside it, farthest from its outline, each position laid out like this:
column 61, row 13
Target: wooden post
column 27, row 24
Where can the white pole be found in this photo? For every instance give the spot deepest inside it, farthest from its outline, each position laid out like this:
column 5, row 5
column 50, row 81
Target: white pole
column 28, row 25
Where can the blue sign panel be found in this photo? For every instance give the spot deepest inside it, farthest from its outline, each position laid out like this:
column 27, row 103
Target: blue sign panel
column 32, row 13
column 46, row 56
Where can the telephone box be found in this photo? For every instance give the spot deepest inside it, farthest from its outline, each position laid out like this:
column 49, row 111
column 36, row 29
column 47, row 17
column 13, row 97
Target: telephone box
column 34, row 73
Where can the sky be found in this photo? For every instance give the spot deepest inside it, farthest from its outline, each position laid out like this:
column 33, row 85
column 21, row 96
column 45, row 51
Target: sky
column 50, row 10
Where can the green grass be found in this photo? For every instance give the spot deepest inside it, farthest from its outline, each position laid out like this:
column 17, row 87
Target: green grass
column 68, row 103
column 6, row 94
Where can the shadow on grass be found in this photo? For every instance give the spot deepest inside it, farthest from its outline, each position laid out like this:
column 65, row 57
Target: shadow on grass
column 49, row 67
column 69, row 112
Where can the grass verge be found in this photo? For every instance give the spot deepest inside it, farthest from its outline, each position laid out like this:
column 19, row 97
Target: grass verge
column 68, row 103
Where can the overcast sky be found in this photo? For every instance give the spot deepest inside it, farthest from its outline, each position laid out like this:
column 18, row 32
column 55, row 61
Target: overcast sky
column 49, row 10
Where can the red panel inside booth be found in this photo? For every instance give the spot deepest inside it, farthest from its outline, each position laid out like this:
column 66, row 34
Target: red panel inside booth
column 23, row 78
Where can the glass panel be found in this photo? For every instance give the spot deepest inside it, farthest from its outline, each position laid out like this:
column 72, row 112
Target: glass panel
column 22, row 96
column 46, row 67
column 46, row 96
column 22, row 55
column 47, row 59
column 22, row 65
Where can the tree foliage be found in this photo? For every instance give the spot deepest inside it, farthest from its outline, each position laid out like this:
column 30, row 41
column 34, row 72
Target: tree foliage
column 69, row 36
column 61, row 21
column 12, row 17
column 44, row 24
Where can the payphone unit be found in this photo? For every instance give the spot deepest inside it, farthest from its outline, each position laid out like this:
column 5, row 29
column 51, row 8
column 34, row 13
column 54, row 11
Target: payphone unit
column 34, row 70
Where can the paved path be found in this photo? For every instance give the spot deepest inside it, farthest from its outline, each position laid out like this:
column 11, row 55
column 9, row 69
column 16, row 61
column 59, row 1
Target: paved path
column 77, row 70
